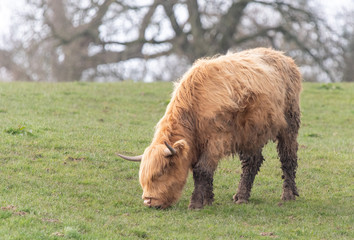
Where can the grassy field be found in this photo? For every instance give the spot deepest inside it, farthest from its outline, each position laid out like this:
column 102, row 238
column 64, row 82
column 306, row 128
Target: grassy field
column 60, row 178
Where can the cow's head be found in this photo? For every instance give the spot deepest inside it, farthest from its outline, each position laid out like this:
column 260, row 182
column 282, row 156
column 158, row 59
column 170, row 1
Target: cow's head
column 163, row 173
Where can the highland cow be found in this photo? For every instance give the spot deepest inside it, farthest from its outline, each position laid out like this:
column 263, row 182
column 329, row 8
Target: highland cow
column 226, row 105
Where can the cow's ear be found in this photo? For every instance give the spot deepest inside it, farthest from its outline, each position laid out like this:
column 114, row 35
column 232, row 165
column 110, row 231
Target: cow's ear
column 178, row 148
column 180, row 145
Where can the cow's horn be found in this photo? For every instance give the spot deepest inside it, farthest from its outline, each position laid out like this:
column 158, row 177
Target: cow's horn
column 133, row 159
column 172, row 150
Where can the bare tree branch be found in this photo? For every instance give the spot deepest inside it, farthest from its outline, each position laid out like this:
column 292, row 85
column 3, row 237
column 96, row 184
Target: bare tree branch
column 168, row 7
column 228, row 24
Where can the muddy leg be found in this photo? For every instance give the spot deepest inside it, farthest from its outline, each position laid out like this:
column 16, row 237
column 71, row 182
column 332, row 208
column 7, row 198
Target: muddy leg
column 203, row 185
column 250, row 168
column 287, row 150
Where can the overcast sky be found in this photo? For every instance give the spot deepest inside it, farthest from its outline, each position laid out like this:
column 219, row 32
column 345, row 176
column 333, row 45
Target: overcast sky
column 7, row 7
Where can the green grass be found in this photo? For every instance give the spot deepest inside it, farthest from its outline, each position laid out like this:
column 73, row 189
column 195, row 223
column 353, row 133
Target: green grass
column 60, row 178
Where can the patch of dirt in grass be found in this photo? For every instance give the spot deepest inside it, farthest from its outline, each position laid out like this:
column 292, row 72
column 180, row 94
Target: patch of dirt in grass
column 20, row 213
column 50, row 220
column 74, row 159
column 12, row 208
column 9, row 208
column 58, row 234
column 268, row 234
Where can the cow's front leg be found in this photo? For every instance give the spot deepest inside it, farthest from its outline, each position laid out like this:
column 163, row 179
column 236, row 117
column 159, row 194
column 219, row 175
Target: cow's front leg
column 203, row 186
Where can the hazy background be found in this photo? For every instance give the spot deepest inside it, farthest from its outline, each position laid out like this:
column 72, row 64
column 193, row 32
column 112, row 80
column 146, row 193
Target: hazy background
column 156, row 40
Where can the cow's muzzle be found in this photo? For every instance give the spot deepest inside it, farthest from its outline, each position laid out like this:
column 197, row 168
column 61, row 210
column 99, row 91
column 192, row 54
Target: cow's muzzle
column 154, row 202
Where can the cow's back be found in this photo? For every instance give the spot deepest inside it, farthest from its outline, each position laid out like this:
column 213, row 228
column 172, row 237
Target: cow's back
column 239, row 99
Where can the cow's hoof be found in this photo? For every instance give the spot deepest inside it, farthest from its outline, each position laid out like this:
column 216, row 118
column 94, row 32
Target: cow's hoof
column 195, row 206
column 239, row 200
column 287, row 195
column 208, row 201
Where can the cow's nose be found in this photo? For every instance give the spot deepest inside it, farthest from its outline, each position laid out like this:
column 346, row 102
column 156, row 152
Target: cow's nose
column 147, row 201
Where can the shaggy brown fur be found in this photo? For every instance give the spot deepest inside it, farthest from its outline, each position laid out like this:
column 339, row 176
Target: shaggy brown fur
column 232, row 104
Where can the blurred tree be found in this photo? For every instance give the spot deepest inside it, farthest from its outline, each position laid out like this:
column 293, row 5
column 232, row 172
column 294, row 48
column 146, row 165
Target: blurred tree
column 348, row 36
column 70, row 40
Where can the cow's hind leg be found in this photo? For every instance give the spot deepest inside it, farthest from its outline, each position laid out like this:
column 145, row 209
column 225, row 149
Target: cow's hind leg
column 203, row 173
column 287, row 150
column 250, row 167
